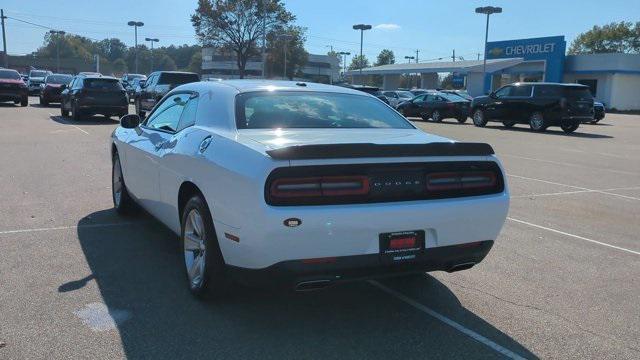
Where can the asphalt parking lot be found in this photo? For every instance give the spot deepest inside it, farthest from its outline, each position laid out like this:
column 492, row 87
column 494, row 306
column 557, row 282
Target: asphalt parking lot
column 562, row 281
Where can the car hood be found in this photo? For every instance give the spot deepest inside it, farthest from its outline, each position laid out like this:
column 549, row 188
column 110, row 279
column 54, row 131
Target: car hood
column 263, row 140
column 11, row 81
column 41, row 79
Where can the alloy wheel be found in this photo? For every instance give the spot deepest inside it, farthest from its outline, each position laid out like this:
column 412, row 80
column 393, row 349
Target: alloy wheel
column 117, row 183
column 195, row 248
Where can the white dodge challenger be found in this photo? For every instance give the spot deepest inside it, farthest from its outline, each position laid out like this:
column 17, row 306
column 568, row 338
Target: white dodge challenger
column 303, row 185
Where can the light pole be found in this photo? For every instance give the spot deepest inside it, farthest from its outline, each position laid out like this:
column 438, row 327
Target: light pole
column 151, row 40
column 344, row 63
column 58, row 33
column 285, row 38
column 409, row 58
column 362, row 28
column 488, row 10
column 136, row 25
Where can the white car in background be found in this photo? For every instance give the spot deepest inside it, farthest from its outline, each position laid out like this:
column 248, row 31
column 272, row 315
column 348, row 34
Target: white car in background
column 304, row 185
column 397, row 97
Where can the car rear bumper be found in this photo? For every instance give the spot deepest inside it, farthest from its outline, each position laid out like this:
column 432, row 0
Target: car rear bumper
column 104, row 109
column 319, row 273
column 12, row 95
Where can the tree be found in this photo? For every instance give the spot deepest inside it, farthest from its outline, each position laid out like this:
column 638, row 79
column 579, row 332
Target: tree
column 195, row 65
column 616, row 37
column 385, row 57
column 119, row 66
column 112, row 49
column 237, row 25
column 292, row 38
column 358, row 62
column 337, row 56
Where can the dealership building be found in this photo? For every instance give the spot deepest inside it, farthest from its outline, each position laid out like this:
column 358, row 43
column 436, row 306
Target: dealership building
column 614, row 79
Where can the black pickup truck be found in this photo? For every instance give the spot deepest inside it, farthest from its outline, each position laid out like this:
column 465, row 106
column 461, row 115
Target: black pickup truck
column 538, row 104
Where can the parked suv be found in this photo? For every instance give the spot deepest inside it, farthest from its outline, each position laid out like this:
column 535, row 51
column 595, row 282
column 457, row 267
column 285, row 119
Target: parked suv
column 12, row 87
column 52, row 88
column 90, row 95
column 36, row 78
column 538, row 104
column 157, row 85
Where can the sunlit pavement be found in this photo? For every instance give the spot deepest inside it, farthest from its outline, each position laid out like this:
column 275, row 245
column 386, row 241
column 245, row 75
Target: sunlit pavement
column 562, row 281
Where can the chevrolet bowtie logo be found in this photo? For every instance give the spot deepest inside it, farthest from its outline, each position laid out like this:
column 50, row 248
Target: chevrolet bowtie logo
column 496, row 51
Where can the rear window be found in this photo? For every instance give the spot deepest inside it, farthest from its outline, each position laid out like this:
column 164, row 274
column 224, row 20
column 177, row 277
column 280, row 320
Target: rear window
column 405, row 94
column 578, row 92
column 9, row 74
column 58, row 79
column 102, row 84
column 36, row 73
column 269, row 110
column 176, row 78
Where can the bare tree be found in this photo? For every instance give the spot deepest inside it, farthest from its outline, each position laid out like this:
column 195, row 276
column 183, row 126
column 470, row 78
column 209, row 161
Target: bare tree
column 238, row 25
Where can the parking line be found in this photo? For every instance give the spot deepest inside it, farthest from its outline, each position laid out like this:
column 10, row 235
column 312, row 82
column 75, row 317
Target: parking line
column 569, row 164
column 472, row 334
column 574, row 236
column 66, row 123
column 606, row 191
column 19, row 231
column 576, row 192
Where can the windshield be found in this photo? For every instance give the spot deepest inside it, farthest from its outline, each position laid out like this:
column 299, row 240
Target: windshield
column 9, row 74
column 267, row 110
column 58, row 79
column 37, row 73
column 177, row 78
column 102, row 84
column 405, row 94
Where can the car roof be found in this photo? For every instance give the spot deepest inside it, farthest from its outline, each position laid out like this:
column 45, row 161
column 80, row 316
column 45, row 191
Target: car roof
column 92, row 76
column 251, row 85
column 548, row 83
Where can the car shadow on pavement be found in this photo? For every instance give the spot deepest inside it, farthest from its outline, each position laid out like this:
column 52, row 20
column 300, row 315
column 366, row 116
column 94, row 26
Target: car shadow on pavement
column 89, row 120
column 552, row 131
column 138, row 269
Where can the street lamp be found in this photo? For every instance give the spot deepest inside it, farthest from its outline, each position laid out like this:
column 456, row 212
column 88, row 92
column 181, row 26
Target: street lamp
column 285, row 38
column 136, row 25
column 488, row 10
column 59, row 33
column 362, row 28
column 344, row 63
column 409, row 58
column 152, row 40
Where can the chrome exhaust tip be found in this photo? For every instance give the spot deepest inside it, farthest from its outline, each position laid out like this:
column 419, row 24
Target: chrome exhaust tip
column 462, row 266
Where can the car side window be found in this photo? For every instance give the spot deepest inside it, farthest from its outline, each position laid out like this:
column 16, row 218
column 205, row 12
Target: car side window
column 521, row 91
column 431, row 98
column 150, row 81
column 167, row 115
column 188, row 117
column 419, row 98
column 503, row 92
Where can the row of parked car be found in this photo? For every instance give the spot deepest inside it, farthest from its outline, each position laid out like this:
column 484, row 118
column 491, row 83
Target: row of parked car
column 540, row 105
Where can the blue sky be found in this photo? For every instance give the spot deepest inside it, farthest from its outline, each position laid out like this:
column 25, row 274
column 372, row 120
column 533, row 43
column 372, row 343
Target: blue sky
column 434, row 27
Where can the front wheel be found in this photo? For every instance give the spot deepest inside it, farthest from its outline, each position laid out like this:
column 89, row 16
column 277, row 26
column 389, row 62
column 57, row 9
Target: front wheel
column 569, row 128
column 24, row 101
column 122, row 202
column 462, row 119
column 63, row 112
column 537, row 122
column 479, row 118
column 436, row 116
column 75, row 112
column 203, row 260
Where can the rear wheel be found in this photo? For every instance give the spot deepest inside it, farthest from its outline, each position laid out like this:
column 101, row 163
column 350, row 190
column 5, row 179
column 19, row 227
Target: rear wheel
column 537, row 122
column 203, row 260
column 24, row 101
column 122, row 202
column 64, row 112
column 75, row 112
column 479, row 118
column 436, row 116
column 462, row 119
column 569, row 128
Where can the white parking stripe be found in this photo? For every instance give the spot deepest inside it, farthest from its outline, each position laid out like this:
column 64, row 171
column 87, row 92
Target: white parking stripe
column 66, row 227
column 606, row 191
column 472, row 334
column 574, row 236
column 66, row 123
column 569, row 164
column 575, row 192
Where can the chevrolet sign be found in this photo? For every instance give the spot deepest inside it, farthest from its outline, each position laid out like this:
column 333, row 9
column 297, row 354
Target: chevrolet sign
column 521, row 50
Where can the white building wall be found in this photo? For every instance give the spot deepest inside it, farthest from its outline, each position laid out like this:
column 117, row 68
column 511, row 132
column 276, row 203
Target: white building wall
column 625, row 92
column 475, row 84
column 603, row 91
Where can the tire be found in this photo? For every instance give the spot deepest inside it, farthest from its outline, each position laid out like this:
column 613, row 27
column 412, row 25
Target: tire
column 436, row 116
column 203, row 262
column 139, row 110
column 569, row 128
column 537, row 122
column 462, row 120
column 24, row 101
column 122, row 201
column 403, row 111
column 44, row 102
column 75, row 113
column 479, row 118
column 508, row 123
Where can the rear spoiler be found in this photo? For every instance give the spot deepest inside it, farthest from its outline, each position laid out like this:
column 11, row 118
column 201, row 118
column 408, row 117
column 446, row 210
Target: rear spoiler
column 367, row 150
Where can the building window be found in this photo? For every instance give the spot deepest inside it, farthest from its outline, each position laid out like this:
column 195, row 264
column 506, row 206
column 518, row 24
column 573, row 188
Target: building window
column 591, row 83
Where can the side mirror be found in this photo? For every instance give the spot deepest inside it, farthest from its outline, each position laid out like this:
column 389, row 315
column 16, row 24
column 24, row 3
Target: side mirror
column 493, row 95
column 130, row 121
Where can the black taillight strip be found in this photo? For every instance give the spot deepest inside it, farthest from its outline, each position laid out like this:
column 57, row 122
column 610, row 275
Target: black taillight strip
column 364, row 150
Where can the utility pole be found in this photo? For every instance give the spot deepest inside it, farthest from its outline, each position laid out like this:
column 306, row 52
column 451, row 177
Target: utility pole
column 362, row 28
column 152, row 40
column 487, row 10
column 136, row 25
column 344, row 63
column 285, row 38
column 263, row 52
column 454, row 55
column 98, row 63
column 478, row 56
column 4, row 40
column 417, row 55
column 57, row 34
